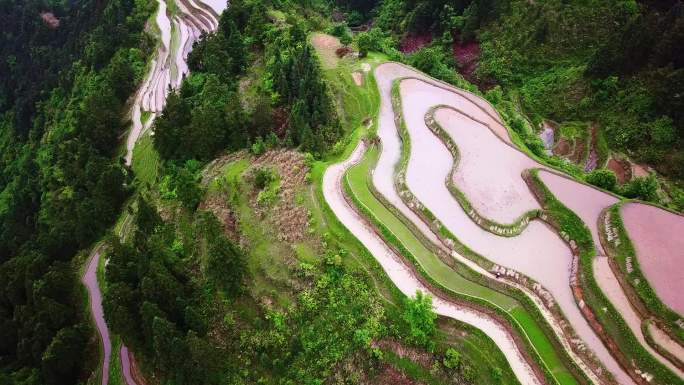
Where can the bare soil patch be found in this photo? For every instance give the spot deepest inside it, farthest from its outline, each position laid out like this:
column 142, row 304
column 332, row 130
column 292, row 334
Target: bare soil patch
column 326, row 46
column 358, row 78
column 657, row 238
column 413, row 43
column 391, row 376
column 592, row 158
column 640, row 170
column 579, row 151
column 418, row 356
column 50, row 20
column 621, row 168
column 562, row 148
column 287, row 216
column 467, row 55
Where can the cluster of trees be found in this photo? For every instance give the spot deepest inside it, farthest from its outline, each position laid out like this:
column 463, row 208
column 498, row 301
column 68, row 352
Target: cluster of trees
column 438, row 17
column 296, row 83
column 208, row 114
column 62, row 94
column 158, row 303
column 638, row 77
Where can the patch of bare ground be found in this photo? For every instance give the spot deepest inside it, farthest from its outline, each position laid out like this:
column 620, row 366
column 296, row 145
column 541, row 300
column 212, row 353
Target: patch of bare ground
column 215, row 168
column 288, row 217
column 415, row 42
column 592, row 158
column 358, row 78
column 389, row 375
column 621, row 168
column 562, row 148
column 50, row 20
column 358, row 369
column 467, row 55
column 326, row 46
column 136, row 373
column 416, row 355
column 218, row 205
column 640, row 170
column 577, row 156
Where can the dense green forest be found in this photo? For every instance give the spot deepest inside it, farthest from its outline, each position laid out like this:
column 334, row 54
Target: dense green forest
column 63, row 88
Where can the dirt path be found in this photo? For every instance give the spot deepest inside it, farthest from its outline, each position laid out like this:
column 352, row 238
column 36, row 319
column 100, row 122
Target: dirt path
column 89, row 279
column 402, row 276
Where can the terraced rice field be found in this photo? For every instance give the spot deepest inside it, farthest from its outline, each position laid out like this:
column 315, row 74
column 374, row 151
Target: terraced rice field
column 448, row 180
column 658, row 237
column 357, row 179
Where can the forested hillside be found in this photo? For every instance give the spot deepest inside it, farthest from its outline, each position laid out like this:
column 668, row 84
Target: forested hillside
column 67, row 70
column 223, row 258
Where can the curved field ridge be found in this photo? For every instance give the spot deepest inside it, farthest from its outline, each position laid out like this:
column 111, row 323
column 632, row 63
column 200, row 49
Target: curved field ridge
column 658, row 238
column 588, row 203
column 538, row 252
column 404, row 278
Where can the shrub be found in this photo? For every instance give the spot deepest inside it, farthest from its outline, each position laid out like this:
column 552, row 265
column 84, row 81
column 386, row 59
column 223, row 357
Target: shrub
column 645, row 188
column 452, row 359
column 420, row 319
column 602, row 178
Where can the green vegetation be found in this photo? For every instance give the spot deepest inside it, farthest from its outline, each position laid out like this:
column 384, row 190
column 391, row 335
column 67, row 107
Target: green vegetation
column 602, row 178
column 291, row 102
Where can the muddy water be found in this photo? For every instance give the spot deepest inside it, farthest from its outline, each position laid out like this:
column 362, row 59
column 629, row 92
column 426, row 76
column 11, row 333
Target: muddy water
column 402, row 276
column 658, row 239
column 126, row 366
column 537, row 252
column 89, row 279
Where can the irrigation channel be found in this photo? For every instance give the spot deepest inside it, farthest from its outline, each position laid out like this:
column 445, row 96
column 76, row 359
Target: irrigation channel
column 435, row 122
column 177, row 31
